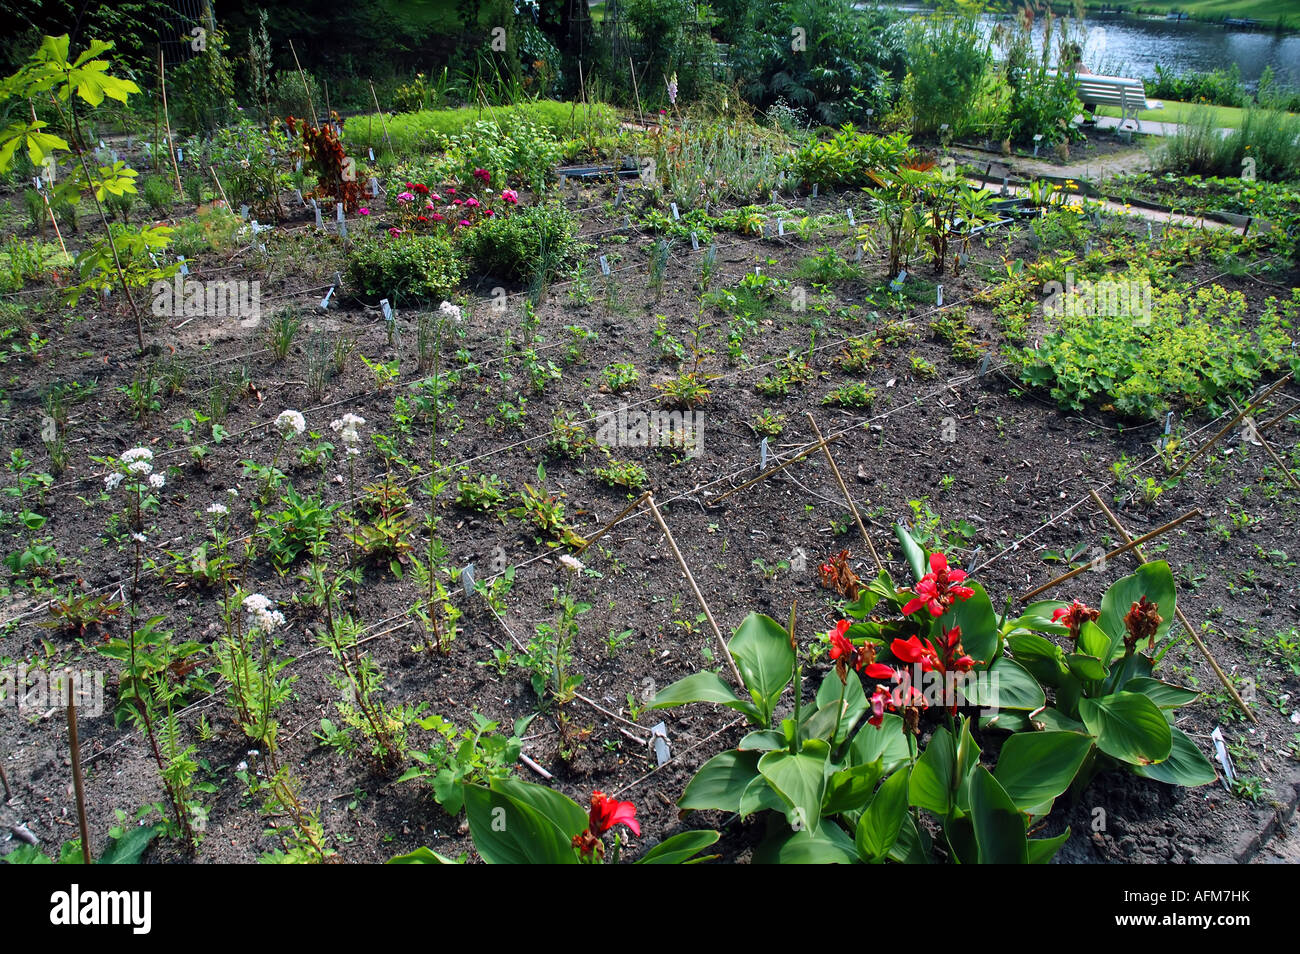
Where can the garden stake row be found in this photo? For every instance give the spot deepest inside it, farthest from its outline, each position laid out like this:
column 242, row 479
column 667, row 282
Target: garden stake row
column 1230, row 425
column 708, row 613
column 772, row 470
column 1253, row 430
column 1178, row 611
column 1131, row 545
column 848, row 498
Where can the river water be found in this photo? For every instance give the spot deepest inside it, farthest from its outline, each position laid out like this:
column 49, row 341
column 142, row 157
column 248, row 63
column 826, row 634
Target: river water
column 1132, row 46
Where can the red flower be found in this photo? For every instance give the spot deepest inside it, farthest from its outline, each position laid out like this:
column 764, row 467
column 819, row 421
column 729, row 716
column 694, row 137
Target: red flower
column 880, row 700
column 840, row 646
column 483, row 176
column 607, row 812
column 912, row 651
column 1075, row 616
column 935, row 590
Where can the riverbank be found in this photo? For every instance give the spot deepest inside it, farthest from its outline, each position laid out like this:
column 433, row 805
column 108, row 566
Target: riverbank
column 1212, row 11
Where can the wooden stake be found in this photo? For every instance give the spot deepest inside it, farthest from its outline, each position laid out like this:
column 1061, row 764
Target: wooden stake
column 1182, row 617
column 779, row 467
column 74, row 746
column 1118, row 551
column 640, row 115
column 708, row 614
column 1271, row 453
column 610, row 526
column 171, row 147
column 1279, row 416
column 1230, row 425
column 848, row 498
column 315, row 121
column 4, row 780
column 382, row 121
column 220, row 188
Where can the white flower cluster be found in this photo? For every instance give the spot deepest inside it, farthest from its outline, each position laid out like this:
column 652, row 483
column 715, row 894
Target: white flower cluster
column 262, row 614
column 346, row 428
column 219, row 509
column 138, row 463
column 290, row 424
column 448, row 310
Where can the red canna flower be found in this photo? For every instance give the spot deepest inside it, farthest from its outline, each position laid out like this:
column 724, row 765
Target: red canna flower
column 935, row 591
column 862, row 658
column 1075, row 616
column 607, row 812
column 913, row 651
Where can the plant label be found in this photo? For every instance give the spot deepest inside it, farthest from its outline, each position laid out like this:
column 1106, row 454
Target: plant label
column 780, row 226
column 695, row 242
column 659, row 738
column 758, row 269
column 1149, row 235
column 1169, row 423
column 1038, row 138
column 762, row 455
column 325, row 302
column 984, row 365
column 299, row 195
column 467, row 578
column 386, row 308
column 816, row 186
column 772, row 197
column 185, row 269
column 338, row 209
column 604, row 266
column 706, row 207
column 676, row 215
column 374, row 186
column 180, row 154
column 938, row 295
column 101, row 144
column 564, row 180
column 627, row 221
column 1005, row 190
column 857, row 256
column 243, row 212
column 618, row 199
column 943, row 127
column 850, row 214
column 897, row 283
column 297, row 166
column 343, row 229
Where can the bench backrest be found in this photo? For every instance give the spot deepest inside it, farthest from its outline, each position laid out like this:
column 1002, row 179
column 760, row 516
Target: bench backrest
column 1111, row 90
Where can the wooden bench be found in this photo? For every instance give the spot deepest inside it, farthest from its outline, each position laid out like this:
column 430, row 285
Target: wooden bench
column 1128, row 94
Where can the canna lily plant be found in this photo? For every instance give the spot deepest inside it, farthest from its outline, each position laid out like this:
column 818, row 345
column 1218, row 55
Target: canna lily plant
column 845, row 779
column 516, row 822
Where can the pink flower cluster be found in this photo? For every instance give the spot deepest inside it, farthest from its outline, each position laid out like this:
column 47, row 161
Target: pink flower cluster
column 422, row 209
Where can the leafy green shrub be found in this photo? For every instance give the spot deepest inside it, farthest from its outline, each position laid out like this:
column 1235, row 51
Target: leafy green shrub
column 414, row 267
column 852, row 59
column 947, row 59
column 535, row 241
column 849, row 159
column 158, row 194
column 1193, row 350
column 288, row 96
column 416, row 133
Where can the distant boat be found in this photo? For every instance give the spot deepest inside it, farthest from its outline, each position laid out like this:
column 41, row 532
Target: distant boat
column 1240, row 22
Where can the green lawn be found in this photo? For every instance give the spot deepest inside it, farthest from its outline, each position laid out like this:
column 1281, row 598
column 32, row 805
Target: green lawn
column 1227, row 117
column 1268, row 12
